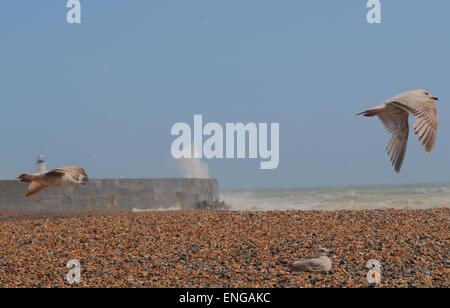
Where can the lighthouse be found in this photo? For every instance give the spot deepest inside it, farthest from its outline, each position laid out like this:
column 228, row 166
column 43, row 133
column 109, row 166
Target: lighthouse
column 41, row 165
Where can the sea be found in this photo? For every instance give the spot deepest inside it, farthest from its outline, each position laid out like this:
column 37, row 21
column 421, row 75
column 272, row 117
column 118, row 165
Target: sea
column 417, row 196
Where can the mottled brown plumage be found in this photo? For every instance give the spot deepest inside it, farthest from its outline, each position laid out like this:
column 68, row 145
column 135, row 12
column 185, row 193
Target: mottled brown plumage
column 64, row 176
column 394, row 113
column 321, row 264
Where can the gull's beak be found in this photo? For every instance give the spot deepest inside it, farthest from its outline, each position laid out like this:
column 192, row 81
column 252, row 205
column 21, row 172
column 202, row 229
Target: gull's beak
column 435, row 98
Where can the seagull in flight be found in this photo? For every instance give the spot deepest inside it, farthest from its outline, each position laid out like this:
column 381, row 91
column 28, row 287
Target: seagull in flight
column 394, row 113
column 65, row 176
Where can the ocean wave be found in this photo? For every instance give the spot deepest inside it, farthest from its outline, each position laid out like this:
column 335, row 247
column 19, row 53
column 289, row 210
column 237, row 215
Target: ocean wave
column 136, row 210
column 340, row 198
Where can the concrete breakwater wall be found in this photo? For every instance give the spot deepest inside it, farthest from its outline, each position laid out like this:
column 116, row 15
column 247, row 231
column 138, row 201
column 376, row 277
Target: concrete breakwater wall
column 111, row 194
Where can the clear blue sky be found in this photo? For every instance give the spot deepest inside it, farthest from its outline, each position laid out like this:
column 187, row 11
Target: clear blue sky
column 309, row 65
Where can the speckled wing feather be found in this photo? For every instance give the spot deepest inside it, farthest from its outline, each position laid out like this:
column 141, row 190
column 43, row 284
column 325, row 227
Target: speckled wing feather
column 395, row 121
column 55, row 174
column 312, row 265
column 425, row 112
column 77, row 173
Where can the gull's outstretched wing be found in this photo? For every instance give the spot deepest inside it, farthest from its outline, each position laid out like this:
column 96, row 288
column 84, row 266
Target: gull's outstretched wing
column 395, row 121
column 34, row 188
column 425, row 112
column 55, row 174
column 77, row 173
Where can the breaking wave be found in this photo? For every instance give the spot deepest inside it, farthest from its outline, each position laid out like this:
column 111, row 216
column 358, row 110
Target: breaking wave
column 341, row 198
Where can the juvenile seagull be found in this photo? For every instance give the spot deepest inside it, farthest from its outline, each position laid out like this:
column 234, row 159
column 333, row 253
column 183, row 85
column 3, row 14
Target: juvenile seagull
column 394, row 113
column 65, row 176
column 321, row 264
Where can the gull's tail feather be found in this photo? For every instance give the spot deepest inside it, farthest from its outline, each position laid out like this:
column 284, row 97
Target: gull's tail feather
column 27, row 178
column 369, row 113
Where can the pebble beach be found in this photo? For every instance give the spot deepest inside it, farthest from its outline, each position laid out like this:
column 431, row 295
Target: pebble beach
column 207, row 248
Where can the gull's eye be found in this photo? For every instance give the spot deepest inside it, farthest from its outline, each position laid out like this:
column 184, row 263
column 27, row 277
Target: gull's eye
column 426, row 93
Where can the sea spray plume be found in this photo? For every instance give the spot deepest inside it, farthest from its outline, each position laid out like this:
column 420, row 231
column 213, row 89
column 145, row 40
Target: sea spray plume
column 193, row 168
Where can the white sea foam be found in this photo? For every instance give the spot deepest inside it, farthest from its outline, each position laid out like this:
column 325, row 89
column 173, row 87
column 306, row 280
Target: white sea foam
column 340, row 198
